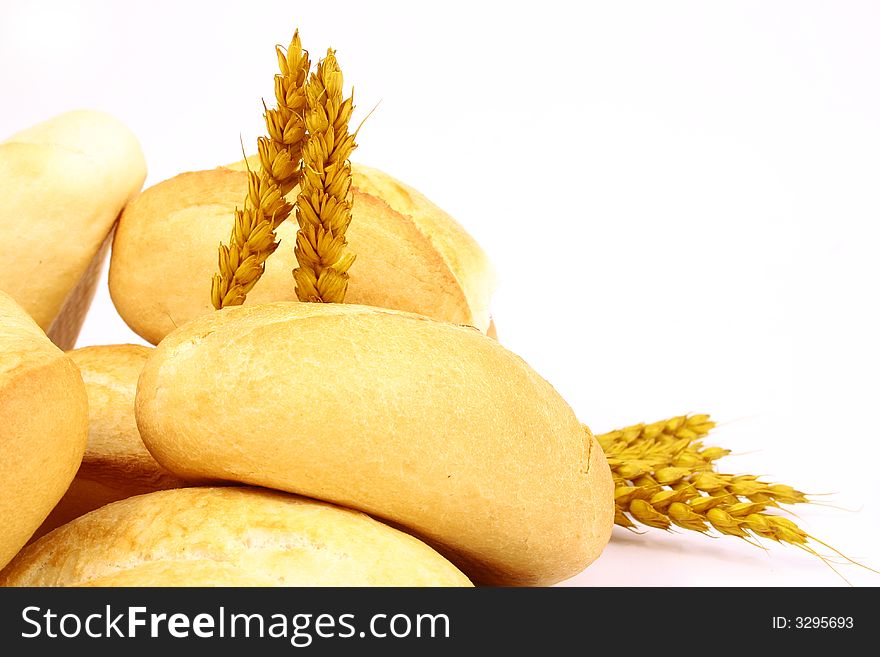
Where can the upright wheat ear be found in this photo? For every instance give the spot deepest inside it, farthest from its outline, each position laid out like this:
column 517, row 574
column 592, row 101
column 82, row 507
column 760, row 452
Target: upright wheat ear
column 242, row 263
column 323, row 207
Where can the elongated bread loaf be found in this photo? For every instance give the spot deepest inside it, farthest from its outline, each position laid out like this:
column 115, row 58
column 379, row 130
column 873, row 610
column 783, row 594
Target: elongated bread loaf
column 431, row 426
column 410, row 255
column 43, row 425
column 116, row 465
column 227, row 537
column 63, row 183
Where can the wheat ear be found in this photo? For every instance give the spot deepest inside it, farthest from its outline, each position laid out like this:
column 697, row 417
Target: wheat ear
column 242, row 262
column 663, row 476
column 323, row 207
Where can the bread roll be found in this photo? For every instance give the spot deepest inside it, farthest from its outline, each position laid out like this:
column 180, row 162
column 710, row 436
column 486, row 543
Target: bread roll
column 431, row 426
column 228, row 537
column 44, row 419
column 116, row 465
column 459, row 250
column 63, row 184
column 165, row 253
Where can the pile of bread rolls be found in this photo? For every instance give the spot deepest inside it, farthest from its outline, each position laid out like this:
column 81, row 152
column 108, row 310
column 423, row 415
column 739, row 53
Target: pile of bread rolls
column 385, row 441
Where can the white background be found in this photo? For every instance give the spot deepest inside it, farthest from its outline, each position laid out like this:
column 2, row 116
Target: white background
column 681, row 200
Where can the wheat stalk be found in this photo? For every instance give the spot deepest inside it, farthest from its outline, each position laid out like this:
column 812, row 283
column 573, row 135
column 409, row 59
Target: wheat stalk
column 669, row 442
column 663, row 476
column 652, row 505
column 672, row 452
column 242, row 262
column 691, row 427
column 323, row 207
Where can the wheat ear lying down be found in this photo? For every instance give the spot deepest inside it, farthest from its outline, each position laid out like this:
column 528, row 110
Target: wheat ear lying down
column 242, row 262
column 665, row 477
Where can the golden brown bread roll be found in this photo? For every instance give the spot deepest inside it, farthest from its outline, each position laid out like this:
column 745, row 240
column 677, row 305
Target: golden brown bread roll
column 43, row 425
column 228, row 537
column 465, row 258
column 63, row 183
column 410, row 255
column 431, row 426
column 116, row 465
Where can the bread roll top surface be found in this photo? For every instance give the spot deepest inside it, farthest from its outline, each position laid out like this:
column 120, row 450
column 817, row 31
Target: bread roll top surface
column 466, row 260
column 228, row 537
column 63, row 183
column 22, row 342
column 165, row 254
column 429, row 425
column 43, row 425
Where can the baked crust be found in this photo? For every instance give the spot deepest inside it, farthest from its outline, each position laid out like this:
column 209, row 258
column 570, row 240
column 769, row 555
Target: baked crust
column 63, row 183
column 416, row 259
column 43, row 425
column 228, row 537
column 116, row 465
column 430, row 426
